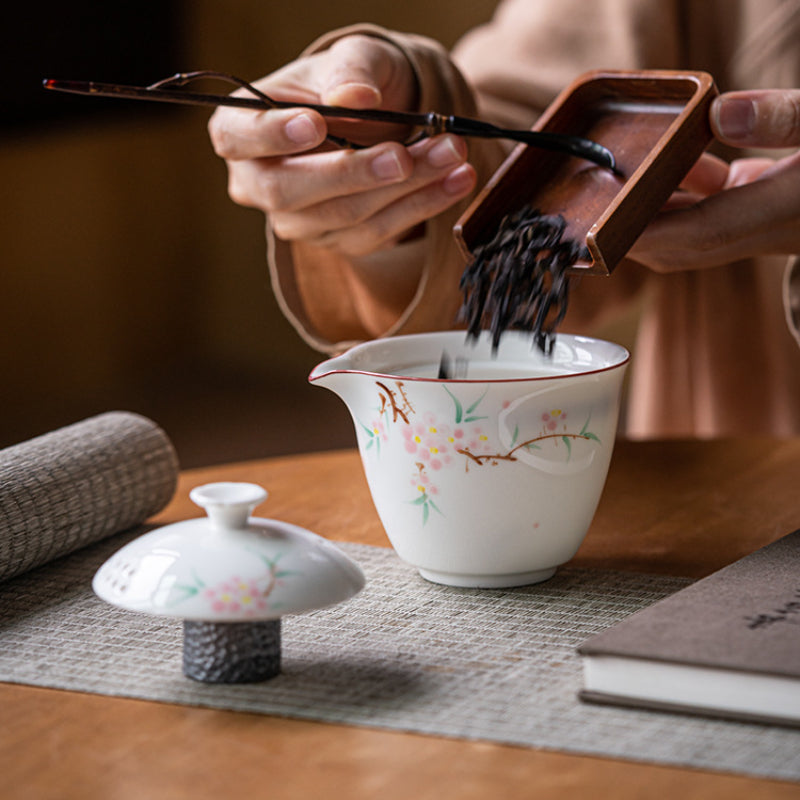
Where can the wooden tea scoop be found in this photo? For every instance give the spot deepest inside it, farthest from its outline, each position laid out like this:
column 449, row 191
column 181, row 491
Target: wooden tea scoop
column 656, row 125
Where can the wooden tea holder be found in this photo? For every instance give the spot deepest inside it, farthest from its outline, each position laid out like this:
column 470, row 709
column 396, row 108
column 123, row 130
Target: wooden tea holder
column 656, row 125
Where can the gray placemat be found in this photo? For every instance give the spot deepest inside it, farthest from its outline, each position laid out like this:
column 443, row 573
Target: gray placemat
column 403, row 655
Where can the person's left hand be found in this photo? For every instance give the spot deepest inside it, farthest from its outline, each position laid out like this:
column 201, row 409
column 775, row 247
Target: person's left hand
column 727, row 212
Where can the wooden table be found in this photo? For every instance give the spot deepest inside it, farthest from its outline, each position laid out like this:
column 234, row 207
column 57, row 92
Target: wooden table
column 684, row 508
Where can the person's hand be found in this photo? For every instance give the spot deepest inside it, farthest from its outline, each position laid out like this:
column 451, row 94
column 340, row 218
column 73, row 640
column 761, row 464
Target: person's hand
column 352, row 201
column 728, row 212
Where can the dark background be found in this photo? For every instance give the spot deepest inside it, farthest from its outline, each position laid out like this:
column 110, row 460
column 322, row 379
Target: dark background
column 128, row 278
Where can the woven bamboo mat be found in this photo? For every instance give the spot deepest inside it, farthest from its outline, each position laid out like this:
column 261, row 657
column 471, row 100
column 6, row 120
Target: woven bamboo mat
column 404, row 655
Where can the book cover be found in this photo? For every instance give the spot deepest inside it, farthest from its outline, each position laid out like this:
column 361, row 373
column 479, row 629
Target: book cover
column 727, row 645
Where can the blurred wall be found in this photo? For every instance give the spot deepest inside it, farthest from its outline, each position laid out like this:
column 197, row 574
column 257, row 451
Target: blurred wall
column 128, row 278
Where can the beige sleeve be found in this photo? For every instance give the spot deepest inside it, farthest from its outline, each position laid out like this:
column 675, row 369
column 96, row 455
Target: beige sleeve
column 529, row 51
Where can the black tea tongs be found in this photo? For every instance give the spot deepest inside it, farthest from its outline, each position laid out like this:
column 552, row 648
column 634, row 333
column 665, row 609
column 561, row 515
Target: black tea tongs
column 430, row 124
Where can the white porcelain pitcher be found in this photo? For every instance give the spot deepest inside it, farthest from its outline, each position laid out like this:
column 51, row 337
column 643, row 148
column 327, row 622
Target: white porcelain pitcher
column 489, row 479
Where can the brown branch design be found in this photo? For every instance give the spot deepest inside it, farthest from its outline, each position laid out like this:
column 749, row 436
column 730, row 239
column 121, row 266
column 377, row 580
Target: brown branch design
column 509, row 456
column 388, row 397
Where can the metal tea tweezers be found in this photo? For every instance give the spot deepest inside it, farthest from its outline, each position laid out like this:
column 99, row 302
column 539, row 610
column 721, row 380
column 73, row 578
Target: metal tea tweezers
column 430, row 124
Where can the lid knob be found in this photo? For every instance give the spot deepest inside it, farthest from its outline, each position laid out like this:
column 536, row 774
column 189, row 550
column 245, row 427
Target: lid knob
column 228, row 504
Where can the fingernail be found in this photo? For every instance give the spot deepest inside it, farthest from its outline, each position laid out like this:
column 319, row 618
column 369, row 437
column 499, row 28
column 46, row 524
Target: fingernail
column 736, row 118
column 444, row 154
column 387, row 166
column 459, row 180
column 301, row 130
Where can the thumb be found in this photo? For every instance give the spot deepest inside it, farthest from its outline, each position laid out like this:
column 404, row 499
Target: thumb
column 765, row 118
column 364, row 72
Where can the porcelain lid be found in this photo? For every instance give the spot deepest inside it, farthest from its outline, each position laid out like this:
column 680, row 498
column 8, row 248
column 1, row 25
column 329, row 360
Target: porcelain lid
column 228, row 566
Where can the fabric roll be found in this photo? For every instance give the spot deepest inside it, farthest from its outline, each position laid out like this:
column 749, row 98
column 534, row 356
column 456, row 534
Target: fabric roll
column 79, row 484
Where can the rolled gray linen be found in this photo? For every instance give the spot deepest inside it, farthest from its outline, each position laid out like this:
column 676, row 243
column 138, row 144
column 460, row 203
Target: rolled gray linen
column 79, row 484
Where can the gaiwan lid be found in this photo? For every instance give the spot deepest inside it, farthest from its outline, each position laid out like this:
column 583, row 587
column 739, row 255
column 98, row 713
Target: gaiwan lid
column 228, row 566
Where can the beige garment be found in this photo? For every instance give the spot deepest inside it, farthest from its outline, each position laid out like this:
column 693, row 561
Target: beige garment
column 714, row 355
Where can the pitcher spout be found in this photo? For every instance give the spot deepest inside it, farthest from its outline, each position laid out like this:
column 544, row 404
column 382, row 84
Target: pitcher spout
column 334, row 374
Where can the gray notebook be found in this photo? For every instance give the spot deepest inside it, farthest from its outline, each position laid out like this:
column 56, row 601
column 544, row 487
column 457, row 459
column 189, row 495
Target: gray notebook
column 727, row 645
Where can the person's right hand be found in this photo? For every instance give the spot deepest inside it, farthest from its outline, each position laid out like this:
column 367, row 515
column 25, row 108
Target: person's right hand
column 351, row 201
